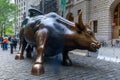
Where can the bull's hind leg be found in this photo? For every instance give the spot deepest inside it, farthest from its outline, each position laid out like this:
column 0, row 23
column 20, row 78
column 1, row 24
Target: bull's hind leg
column 41, row 37
column 66, row 59
column 29, row 50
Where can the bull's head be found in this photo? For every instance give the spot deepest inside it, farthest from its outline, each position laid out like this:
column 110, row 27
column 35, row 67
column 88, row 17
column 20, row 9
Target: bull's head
column 89, row 41
column 84, row 37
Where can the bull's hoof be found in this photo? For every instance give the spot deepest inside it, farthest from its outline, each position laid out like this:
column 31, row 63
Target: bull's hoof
column 67, row 62
column 19, row 57
column 37, row 69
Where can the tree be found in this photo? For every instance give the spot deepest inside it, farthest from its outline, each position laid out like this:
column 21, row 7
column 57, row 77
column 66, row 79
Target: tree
column 8, row 12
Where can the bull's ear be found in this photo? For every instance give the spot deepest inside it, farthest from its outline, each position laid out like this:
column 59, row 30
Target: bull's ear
column 70, row 17
column 80, row 22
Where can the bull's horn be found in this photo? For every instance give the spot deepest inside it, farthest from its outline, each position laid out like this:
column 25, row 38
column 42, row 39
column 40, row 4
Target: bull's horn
column 70, row 17
column 80, row 22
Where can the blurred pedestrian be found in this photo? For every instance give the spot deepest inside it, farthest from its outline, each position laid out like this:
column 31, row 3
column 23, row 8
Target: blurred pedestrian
column 13, row 43
column 1, row 40
column 5, row 43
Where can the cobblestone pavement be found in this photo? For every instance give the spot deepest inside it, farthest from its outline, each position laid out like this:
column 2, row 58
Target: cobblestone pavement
column 84, row 68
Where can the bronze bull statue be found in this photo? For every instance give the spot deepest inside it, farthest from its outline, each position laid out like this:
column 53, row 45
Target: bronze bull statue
column 51, row 34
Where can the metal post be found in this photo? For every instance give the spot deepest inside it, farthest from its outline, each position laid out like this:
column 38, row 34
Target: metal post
column 43, row 5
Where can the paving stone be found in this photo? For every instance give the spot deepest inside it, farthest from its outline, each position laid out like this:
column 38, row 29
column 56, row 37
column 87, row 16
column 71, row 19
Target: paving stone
column 84, row 68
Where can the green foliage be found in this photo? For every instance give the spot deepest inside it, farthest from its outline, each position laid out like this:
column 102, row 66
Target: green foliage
column 9, row 31
column 8, row 12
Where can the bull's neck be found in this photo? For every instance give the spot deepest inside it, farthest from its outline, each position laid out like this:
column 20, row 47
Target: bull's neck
column 69, row 40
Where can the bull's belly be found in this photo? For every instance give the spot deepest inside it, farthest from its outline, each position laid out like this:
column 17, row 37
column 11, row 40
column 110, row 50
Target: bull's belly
column 49, row 52
column 54, row 46
column 31, row 41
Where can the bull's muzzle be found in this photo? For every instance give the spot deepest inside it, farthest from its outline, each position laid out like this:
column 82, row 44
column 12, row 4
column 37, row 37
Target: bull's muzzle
column 95, row 45
column 98, row 45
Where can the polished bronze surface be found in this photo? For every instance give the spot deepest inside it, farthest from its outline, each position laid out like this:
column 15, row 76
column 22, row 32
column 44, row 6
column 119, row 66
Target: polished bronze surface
column 51, row 34
column 37, row 69
column 19, row 57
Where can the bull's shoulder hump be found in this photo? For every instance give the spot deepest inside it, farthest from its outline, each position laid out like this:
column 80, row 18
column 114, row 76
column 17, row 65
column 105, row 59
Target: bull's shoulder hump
column 33, row 19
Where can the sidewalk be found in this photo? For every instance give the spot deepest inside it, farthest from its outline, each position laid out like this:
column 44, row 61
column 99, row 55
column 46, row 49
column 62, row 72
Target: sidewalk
column 105, row 53
column 109, row 54
column 84, row 68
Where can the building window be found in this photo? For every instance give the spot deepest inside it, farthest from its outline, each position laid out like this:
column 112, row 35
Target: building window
column 24, row 3
column 119, row 32
column 17, row 1
column 95, row 25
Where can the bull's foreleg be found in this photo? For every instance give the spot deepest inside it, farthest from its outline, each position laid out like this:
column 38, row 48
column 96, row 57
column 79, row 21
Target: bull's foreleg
column 22, row 47
column 66, row 59
column 41, row 37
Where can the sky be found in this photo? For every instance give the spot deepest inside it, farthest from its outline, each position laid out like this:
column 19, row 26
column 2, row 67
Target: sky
column 12, row 1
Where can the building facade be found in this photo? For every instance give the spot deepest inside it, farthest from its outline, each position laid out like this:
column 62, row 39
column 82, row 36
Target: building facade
column 23, row 6
column 47, row 6
column 105, row 16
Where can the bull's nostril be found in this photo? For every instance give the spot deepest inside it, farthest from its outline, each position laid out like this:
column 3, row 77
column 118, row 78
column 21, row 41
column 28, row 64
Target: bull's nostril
column 93, row 45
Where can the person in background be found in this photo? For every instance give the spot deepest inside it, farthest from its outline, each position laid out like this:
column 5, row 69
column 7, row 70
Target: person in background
column 13, row 43
column 1, row 40
column 9, row 38
column 5, row 43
